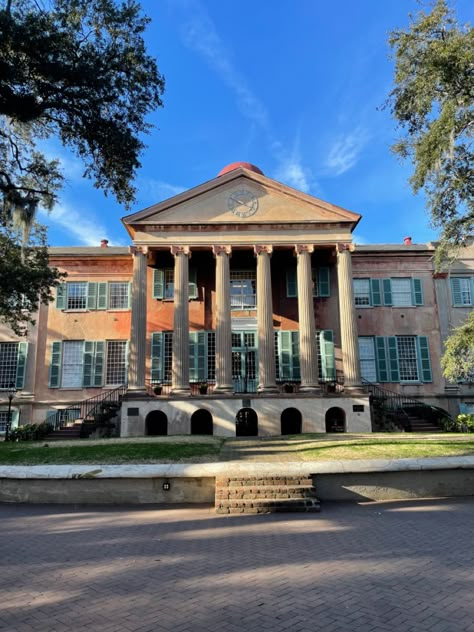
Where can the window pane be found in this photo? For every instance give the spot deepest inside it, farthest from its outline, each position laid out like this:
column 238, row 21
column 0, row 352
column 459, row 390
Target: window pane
column 116, row 362
column 169, row 283
column 367, row 359
column 362, row 292
column 407, row 358
column 8, row 363
column 401, row 293
column 3, row 420
column 242, row 289
column 168, row 356
column 118, row 295
column 77, row 295
column 73, row 358
column 465, row 289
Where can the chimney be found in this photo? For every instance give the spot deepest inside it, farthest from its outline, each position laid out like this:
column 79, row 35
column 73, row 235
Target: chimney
column 104, row 243
column 407, row 241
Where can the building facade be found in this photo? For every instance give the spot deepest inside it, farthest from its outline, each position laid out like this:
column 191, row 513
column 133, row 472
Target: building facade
column 245, row 305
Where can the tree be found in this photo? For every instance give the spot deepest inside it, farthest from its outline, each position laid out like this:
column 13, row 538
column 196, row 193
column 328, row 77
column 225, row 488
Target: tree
column 458, row 358
column 76, row 70
column 26, row 278
column 433, row 102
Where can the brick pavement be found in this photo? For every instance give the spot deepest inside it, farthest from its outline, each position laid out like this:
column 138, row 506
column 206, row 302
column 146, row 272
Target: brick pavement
column 404, row 566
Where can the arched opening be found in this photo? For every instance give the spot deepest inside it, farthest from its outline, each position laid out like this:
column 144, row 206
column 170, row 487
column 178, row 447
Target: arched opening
column 291, row 421
column 201, row 422
column 335, row 420
column 246, row 423
column 156, row 423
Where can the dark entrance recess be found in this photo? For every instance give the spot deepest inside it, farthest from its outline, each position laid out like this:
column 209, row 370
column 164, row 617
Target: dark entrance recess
column 246, row 423
column 290, row 421
column 156, row 423
column 201, row 422
column 335, row 420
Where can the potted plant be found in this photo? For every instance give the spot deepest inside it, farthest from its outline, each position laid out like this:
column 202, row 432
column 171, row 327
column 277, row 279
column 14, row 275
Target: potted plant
column 289, row 388
column 158, row 389
column 203, row 386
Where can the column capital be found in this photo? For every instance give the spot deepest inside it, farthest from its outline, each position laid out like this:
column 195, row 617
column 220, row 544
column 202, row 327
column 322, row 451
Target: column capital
column 299, row 248
column 138, row 250
column 218, row 250
column 342, row 247
column 180, row 250
column 263, row 248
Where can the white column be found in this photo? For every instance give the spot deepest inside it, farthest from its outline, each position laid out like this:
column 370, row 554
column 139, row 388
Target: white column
column 347, row 314
column 266, row 338
column 223, row 320
column 137, row 358
column 307, row 327
column 180, row 367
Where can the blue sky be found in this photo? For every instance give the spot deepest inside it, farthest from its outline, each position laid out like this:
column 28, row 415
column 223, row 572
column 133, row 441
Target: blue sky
column 292, row 86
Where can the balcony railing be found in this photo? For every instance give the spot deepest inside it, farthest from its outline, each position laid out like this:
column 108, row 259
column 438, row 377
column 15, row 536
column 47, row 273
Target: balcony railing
column 244, row 301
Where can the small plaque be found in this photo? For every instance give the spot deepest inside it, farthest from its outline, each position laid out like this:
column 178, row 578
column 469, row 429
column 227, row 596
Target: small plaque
column 133, row 412
column 358, row 408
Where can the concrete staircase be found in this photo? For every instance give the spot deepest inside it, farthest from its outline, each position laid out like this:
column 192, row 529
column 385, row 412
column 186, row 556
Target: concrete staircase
column 418, row 424
column 65, row 433
column 250, row 495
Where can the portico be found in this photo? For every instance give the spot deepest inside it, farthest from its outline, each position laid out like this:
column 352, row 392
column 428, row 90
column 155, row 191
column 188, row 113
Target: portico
column 255, row 275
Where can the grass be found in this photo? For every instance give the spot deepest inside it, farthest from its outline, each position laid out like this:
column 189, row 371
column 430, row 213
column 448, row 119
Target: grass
column 207, row 449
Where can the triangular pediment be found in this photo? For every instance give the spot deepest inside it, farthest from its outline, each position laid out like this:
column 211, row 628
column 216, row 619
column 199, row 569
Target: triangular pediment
column 241, row 197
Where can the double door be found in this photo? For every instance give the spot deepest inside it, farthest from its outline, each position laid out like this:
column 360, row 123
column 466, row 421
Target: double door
column 244, row 361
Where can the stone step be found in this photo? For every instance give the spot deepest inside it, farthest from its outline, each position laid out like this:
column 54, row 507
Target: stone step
column 266, row 492
column 243, row 481
column 267, row 506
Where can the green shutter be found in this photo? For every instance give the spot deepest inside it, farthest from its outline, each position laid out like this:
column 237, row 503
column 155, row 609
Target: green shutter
column 456, row 291
column 323, row 285
column 61, row 296
column 88, row 364
column 382, row 368
column 99, row 363
column 197, row 356
column 326, row 349
column 55, row 366
column 101, row 295
column 158, row 283
column 21, row 365
column 387, row 291
column 284, row 354
column 393, row 359
column 375, row 292
column 92, row 296
column 15, row 416
column 295, row 354
column 157, row 357
column 193, row 370
column 291, row 284
column 129, row 301
column 424, row 358
column 193, row 288
column 417, row 291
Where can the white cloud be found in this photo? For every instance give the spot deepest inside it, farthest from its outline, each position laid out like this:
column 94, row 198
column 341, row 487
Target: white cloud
column 87, row 230
column 345, row 151
column 157, row 190
column 292, row 172
column 360, row 239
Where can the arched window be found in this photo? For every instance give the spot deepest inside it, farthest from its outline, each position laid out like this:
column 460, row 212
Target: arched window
column 335, row 420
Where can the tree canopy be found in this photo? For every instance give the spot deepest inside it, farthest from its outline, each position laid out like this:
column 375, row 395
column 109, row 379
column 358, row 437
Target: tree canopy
column 458, row 359
column 433, row 102
column 78, row 71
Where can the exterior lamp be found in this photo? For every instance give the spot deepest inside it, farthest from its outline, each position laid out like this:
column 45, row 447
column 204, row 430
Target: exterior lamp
column 11, row 394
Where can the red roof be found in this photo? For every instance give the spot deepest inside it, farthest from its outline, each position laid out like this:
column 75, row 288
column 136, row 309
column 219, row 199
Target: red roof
column 236, row 165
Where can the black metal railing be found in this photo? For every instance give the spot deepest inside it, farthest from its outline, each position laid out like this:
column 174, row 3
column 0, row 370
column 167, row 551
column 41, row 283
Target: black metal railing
column 87, row 408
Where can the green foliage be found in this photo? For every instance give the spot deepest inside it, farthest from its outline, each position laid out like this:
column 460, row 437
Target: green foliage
column 25, row 276
column 433, row 101
column 77, row 70
column 458, row 358
column 30, row 432
column 463, row 423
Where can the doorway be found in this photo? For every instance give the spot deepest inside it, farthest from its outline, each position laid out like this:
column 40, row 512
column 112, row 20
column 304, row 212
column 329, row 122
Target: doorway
column 246, row 423
column 244, row 361
column 156, row 424
column 291, row 421
column 201, row 422
column 335, row 420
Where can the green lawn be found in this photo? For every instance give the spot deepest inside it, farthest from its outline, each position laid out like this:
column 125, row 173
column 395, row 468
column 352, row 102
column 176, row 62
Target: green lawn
column 207, row 449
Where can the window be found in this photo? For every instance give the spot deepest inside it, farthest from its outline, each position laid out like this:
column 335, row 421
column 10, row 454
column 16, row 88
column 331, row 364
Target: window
column 368, row 368
column 169, row 284
column 243, row 289
column 76, row 295
column 8, row 364
column 407, row 363
column 163, row 283
column 119, row 295
column 116, row 370
column 321, row 282
column 401, row 293
column 4, row 419
column 462, row 291
column 73, row 364
column 362, row 292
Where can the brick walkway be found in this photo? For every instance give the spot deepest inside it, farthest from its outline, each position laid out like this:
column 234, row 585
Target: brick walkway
column 400, row 566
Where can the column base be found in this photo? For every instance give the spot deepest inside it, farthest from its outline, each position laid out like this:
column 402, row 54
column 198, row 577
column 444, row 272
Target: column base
column 267, row 389
column 224, row 390
column 310, row 388
column 181, row 392
column 355, row 389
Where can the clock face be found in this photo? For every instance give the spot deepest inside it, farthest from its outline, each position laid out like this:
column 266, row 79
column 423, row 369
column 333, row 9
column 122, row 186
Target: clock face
column 242, row 203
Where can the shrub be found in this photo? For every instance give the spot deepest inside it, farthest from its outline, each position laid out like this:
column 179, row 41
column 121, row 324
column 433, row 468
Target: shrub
column 462, row 423
column 30, row 432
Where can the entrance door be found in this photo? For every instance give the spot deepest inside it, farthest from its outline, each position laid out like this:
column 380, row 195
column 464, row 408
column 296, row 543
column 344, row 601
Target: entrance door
column 244, row 361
